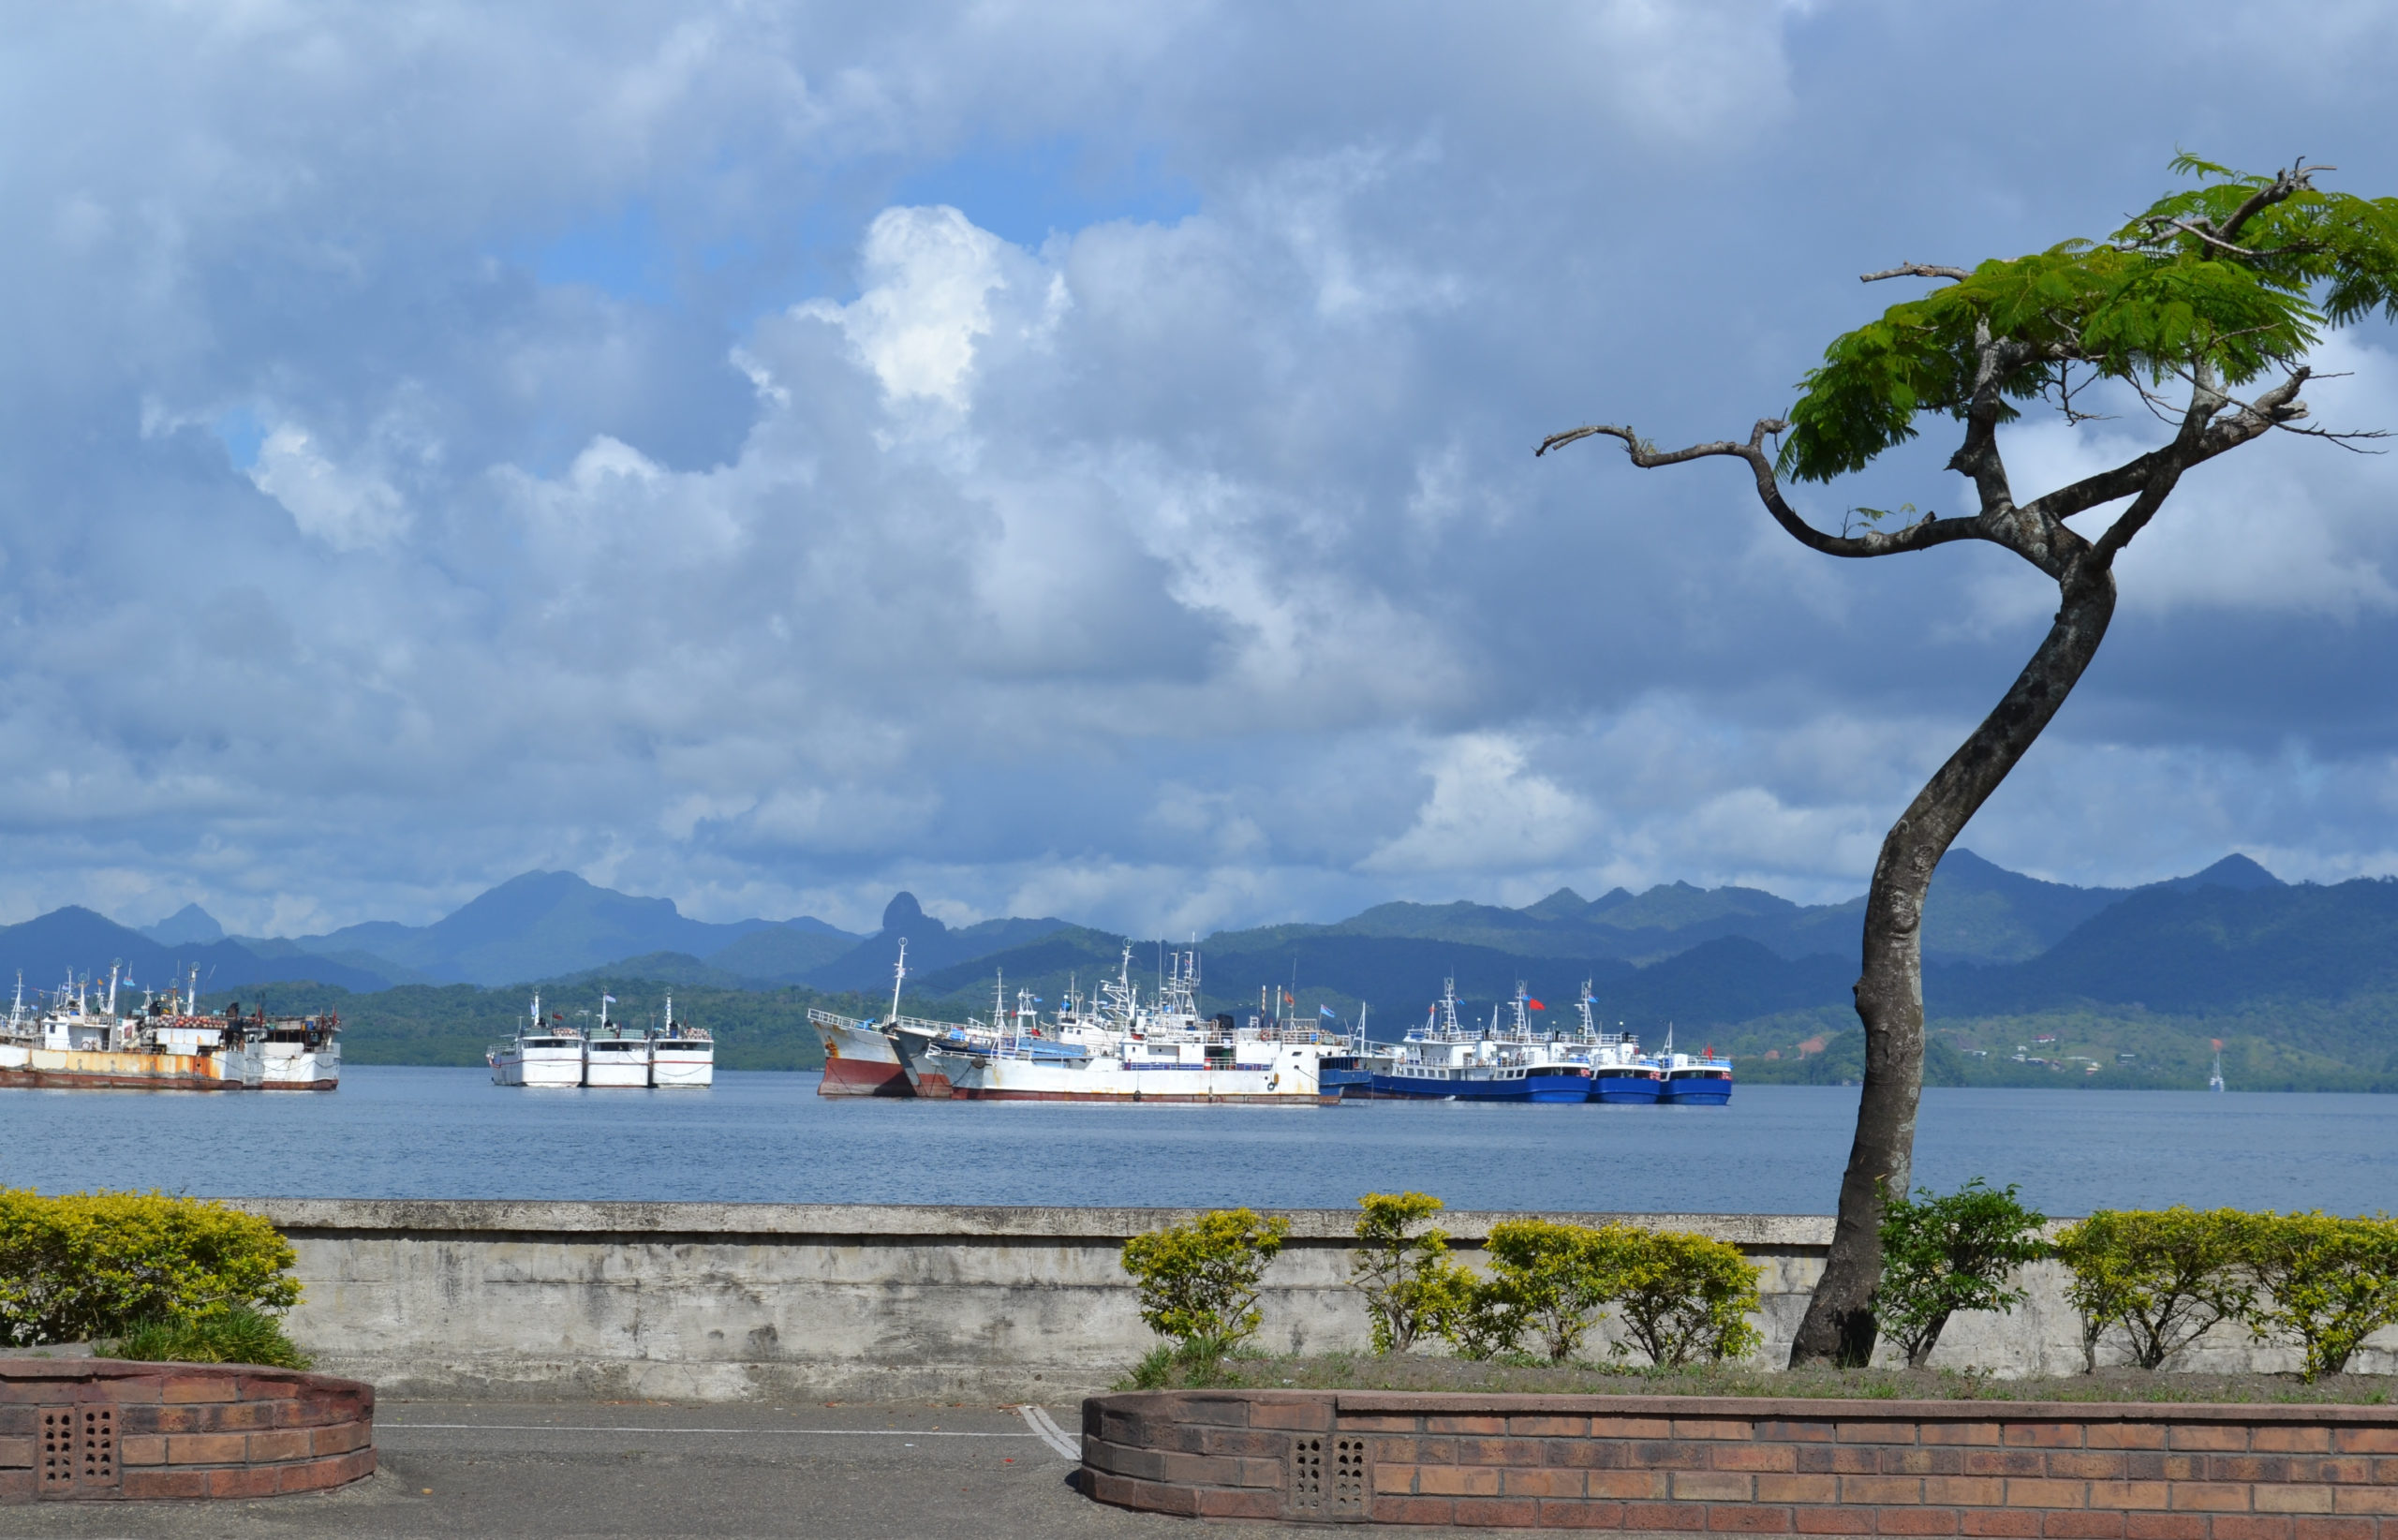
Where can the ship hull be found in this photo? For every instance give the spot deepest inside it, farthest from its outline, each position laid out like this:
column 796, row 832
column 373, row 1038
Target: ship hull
column 69, row 1068
column 971, row 1078
column 1550, row 1088
column 542, row 1069
column 290, row 1067
column 859, row 1061
column 233, row 1069
column 672, row 1069
column 616, row 1072
column 1708, row 1093
column 1626, row 1091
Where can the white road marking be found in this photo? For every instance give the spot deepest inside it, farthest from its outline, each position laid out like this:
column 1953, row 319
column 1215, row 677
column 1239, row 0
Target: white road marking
column 1045, row 1429
column 778, row 1433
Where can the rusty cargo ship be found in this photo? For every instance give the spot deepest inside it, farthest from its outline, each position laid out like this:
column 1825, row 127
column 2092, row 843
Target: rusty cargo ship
column 77, row 1040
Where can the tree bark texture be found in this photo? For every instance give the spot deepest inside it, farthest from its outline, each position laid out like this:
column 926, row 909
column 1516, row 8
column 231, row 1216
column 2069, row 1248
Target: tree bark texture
column 1839, row 1323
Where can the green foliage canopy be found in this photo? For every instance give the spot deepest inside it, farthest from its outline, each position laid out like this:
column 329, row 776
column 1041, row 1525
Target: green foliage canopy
column 1551, row 1278
column 2327, row 1285
column 2159, row 1278
column 89, row 1264
column 1683, row 1296
column 2165, row 297
column 1407, row 1276
column 1941, row 1254
column 1198, row 1282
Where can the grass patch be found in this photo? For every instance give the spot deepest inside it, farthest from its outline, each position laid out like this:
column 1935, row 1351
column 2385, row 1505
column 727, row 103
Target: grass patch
column 1526, row 1376
column 236, row 1337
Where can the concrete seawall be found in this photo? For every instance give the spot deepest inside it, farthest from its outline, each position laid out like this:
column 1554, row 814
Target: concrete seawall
column 734, row 1301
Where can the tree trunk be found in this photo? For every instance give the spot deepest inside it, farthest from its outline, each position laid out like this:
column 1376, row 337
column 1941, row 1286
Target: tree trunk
column 1839, row 1324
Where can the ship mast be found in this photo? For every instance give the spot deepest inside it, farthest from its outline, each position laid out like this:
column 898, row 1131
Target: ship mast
column 898, row 977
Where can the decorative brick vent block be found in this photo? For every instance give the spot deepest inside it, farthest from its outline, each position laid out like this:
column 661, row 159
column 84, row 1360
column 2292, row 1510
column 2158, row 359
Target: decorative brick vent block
column 2031, row 1470
column 84, row 1428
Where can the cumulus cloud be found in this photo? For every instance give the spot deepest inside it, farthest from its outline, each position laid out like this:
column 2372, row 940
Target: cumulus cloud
column 931, row 274
column 1488, row 809
column 345, row 508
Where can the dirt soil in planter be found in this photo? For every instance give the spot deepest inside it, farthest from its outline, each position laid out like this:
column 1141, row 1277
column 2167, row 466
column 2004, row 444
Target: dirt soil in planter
column 1520, row 1376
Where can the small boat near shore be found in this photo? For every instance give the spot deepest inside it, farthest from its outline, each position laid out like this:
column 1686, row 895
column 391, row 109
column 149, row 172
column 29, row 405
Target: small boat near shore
column 681, row 1056
column 614, row 1057
column 545, row 1052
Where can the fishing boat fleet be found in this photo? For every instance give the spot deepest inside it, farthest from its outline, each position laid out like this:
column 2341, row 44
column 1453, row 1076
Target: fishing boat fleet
column 78, row 1037
column 1119, row 1046
column 545, row 1051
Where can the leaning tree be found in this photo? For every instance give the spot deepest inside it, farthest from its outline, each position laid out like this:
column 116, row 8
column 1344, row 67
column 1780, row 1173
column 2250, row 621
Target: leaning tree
column 2206, row 308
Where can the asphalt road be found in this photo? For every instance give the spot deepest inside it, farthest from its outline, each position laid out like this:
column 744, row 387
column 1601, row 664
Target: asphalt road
column 559, row 1470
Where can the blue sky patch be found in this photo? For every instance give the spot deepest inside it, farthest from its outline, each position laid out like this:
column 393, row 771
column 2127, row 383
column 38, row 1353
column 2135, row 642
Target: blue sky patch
column 242, row 434
column 1024, row 192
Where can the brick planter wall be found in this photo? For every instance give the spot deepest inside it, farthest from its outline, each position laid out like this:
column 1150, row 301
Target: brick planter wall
column 100, row 1429
column 2061, row 1469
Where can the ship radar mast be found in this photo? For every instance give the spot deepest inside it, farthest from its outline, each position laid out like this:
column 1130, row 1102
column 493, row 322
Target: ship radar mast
column 898, row 977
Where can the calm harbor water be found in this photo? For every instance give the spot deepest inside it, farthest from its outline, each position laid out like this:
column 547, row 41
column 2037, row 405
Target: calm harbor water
column 770, row 1138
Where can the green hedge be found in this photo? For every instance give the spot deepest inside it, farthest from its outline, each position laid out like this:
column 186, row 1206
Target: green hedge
column 93, row 1265
column 2154, row 1283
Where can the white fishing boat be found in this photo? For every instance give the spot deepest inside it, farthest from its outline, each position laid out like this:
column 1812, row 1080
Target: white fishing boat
column 1122, row 1050
column 1241, row 1069
column 613, row 1058
column 682, row 1054
column 543, row 1053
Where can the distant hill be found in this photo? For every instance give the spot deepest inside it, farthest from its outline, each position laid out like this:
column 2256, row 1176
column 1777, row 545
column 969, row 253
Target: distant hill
column 931, row 946
column 185, row 926
column 1977, row 913
column 784, row 953
column 2176, row 948
column 541, row 924
column 74, row 940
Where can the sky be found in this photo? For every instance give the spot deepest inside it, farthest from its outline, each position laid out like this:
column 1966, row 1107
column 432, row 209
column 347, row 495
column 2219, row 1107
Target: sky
column 1070, row 459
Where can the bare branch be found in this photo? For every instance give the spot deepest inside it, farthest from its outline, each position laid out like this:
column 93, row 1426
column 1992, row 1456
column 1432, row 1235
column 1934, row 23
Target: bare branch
column 1919, row 536
column 2213, row 424
column 2299, row 175
column 1915, row 270
column 2343, row 439
column 2213, row 240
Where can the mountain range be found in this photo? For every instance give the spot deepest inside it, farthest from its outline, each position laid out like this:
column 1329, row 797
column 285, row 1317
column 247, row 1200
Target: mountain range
column 2312, row 968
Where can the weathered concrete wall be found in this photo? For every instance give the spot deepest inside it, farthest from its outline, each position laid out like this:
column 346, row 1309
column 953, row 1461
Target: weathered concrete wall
column 732, row 1301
